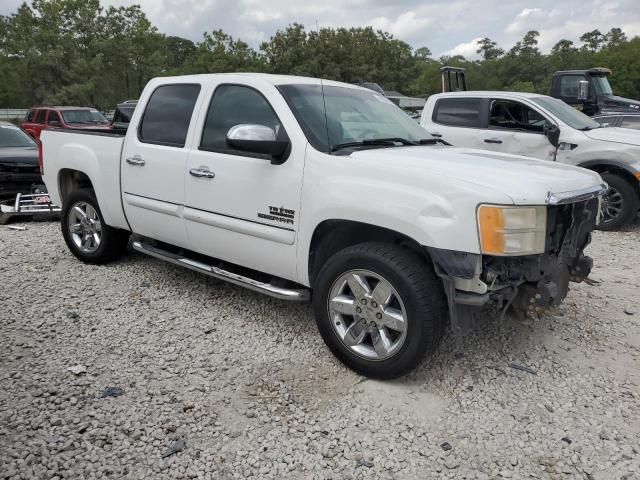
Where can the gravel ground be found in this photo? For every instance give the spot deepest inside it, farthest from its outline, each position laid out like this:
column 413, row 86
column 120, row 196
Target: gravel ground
column 181, row 376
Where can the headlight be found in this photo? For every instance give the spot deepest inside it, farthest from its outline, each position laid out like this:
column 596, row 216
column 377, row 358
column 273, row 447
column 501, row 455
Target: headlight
column 507, row 230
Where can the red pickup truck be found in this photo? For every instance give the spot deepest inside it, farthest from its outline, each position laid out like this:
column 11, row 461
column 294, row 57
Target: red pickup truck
column 40, row 118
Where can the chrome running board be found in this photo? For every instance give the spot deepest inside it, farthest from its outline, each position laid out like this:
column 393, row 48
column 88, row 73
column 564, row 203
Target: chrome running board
column 298, row 295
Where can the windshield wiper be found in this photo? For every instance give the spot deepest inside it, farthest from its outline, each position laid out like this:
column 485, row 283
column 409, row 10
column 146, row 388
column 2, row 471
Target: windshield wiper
column 390, row 141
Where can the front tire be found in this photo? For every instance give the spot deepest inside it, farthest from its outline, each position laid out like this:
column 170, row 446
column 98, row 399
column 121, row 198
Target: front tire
column 86, row 234
column 619, row 204
column 379, row 308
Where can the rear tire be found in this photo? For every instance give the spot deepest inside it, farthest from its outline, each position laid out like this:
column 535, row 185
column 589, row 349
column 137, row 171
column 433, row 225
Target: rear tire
column 85, row 232
column 620, row 203
column 367, row 335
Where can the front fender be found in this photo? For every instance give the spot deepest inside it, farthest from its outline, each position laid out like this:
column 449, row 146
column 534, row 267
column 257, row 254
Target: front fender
column 439, row 212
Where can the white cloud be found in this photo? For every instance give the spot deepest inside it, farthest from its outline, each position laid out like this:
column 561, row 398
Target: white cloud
column 467, row 49
column 448, row 26
column 525, row 19
column 405, row 24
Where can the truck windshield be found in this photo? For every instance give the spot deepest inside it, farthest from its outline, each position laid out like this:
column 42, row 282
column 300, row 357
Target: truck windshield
column 335, row 117
column 84, row 116
column 566, row 114
column 601, row 85
column 13, row 137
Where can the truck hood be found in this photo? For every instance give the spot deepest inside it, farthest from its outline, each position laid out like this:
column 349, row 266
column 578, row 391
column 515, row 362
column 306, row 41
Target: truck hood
column 525, row 180
column 19, row 156
column 628, row 136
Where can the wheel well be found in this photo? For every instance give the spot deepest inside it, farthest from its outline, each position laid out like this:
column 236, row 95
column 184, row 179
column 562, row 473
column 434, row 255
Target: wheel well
column 331, row 236
column 615, row 170
column 71, row 180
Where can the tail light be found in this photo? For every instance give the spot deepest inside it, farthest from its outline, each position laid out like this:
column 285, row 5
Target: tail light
column 40, row 159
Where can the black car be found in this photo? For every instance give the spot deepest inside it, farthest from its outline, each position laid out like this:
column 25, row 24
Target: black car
column 123, row 113
column 19, row 170
column 619, row 120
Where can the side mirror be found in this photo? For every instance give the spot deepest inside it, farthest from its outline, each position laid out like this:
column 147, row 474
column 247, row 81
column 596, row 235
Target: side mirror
column 583, row 94
column 54, row 124
column 553, row 134
column 258, row 139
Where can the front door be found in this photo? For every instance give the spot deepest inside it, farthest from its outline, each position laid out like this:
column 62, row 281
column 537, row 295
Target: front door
column 154, row 162
column 240, row 206
column 517, row 129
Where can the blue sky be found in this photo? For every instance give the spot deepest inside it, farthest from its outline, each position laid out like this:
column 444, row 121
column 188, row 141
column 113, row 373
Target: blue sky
column 445, row 26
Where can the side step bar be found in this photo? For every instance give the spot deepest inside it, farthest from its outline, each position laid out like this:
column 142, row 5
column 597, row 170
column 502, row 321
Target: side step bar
column 298, row 295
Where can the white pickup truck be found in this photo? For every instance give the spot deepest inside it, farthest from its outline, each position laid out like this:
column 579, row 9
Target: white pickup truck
column 290, row 185
column 543, row 127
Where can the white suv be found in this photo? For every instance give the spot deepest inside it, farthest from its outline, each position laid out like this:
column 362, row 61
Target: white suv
column 545, row 128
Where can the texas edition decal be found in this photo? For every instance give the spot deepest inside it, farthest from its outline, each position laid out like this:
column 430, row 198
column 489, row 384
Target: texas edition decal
column 279, row 214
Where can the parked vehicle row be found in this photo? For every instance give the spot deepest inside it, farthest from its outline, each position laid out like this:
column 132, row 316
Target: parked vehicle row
column 546, row 128
column 289, row 185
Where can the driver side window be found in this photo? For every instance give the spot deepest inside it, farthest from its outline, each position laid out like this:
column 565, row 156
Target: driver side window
column 233, row 105
column 512, row 115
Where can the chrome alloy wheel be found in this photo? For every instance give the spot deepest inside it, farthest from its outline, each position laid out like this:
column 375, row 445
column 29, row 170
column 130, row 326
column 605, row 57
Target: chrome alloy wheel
column 85, row 227
column 367, row 314
column 611, row 206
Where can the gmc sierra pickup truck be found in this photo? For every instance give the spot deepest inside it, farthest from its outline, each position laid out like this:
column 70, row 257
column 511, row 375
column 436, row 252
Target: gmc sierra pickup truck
column 289, row 185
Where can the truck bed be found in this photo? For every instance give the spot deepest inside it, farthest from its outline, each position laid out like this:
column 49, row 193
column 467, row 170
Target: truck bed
column 96, row 154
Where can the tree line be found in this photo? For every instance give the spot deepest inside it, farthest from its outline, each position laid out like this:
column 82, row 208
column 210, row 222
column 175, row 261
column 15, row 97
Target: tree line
column 78, row 52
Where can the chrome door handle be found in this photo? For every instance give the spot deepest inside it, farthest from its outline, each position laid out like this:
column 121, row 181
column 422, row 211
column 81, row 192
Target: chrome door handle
column 135, row 160
column 202, row 172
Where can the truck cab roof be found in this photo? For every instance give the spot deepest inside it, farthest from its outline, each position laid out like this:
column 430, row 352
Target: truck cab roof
column 489, row 93
column 273, row 79
column 589, row 71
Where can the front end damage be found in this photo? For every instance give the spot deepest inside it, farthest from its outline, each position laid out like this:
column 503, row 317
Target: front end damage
column 527, row 284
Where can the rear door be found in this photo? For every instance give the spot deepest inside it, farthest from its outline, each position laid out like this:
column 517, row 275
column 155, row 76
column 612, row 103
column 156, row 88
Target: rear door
column 516, row 128
column 461, row 121
column 154, row 159
column 246, row 210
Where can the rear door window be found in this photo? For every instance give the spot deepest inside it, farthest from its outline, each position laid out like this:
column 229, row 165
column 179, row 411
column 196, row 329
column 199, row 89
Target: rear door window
column 459, row 112
column 41, row 116
column 168, row 114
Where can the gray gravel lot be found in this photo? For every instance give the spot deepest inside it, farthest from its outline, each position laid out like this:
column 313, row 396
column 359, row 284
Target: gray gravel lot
column 187, row 377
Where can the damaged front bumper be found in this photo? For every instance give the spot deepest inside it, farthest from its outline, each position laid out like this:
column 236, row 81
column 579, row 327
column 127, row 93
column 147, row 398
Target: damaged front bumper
column 528, row 284
column 28, row 205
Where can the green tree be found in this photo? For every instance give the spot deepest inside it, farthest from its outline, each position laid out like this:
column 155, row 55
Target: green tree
column 615, row 37
column 593, row 40
column 219, row 52
column 488, row 49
